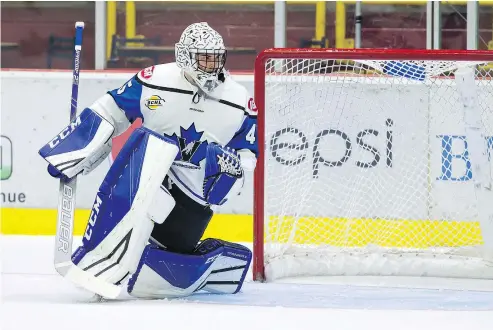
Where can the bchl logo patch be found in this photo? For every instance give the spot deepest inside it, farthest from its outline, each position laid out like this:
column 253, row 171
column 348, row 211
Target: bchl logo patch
column 154, row 102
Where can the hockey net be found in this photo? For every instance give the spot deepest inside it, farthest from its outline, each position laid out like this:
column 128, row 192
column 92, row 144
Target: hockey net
column 374, row 162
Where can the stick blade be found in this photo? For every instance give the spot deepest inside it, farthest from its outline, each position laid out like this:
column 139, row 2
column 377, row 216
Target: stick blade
column 88, row 281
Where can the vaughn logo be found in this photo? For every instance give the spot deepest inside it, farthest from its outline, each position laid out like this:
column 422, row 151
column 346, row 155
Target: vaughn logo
column 154, row 102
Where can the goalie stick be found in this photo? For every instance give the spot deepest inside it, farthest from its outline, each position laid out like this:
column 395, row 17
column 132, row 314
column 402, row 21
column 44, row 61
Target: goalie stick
column 66, row 206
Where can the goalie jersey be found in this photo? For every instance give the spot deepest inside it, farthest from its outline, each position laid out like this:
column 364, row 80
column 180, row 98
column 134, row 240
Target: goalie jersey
column 170, row 105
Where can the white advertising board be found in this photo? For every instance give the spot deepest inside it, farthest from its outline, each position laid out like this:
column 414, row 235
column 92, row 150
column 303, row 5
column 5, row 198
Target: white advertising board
column 427, row 131
column 35, row 106
column 365, row 147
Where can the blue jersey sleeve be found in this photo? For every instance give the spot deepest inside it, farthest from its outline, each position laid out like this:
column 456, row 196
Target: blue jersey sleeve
column 246, row 136
column 127, row 98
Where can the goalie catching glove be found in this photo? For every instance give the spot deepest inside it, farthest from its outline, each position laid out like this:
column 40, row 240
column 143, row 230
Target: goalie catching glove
column 222, row 173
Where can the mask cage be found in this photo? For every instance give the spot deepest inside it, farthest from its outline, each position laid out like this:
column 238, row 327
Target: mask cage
column 218, row 58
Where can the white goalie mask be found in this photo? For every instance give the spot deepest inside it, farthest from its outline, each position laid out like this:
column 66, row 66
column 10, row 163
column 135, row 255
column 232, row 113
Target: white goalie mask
column 202, row 55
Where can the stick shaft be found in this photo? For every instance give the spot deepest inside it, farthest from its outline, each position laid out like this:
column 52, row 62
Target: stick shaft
column 67, row 189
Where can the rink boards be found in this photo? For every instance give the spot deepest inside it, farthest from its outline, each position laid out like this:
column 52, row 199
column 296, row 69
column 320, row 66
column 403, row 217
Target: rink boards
column 239, row 228
column 29, row 194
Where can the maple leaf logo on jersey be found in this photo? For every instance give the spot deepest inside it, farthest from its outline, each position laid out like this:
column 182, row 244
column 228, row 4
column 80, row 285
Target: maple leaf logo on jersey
column 192, row 150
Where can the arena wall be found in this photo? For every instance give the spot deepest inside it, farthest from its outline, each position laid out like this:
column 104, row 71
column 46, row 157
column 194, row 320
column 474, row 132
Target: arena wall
column 35, row 106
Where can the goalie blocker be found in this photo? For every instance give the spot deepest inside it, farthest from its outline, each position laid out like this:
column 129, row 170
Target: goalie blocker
column 132, row 203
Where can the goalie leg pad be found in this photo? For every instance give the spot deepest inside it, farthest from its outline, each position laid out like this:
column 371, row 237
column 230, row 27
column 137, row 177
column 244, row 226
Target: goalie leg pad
column 215, row 266
column 79, row 147
column 129, row 201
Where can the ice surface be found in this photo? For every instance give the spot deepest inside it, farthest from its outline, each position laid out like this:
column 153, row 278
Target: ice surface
column 35, row 297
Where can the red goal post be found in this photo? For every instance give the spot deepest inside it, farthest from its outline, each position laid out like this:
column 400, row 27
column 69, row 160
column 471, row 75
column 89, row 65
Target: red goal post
column 302, row 57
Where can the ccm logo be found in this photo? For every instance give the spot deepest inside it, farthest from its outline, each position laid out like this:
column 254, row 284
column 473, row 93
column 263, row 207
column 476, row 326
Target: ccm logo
column 211, row 259
column 93, row 218
column 66, row 132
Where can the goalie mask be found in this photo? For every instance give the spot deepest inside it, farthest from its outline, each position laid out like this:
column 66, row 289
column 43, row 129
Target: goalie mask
column 202, row 55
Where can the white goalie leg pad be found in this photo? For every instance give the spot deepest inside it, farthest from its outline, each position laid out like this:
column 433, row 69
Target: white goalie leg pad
column 128, row 203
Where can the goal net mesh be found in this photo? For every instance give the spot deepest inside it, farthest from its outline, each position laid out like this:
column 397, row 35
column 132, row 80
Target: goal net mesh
column 377, row 168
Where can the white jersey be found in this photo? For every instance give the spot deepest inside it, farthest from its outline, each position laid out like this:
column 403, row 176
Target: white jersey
column 170, row 105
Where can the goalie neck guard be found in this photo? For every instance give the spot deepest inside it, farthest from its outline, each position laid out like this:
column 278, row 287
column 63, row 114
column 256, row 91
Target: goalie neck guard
column 201, row 54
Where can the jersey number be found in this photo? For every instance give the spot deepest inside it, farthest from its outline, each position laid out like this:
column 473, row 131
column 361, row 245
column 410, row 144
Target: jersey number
column 250, row 137
column 122, row 89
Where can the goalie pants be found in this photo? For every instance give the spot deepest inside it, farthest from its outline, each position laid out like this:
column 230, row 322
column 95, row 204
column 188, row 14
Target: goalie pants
column 185, row 225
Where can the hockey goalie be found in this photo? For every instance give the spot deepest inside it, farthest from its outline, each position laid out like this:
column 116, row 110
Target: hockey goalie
column 197, row 139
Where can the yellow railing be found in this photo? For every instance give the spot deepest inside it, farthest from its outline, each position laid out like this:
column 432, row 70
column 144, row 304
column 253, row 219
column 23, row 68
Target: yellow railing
column 130, row 19
column 110, row 25
column 340, row 26
column 320, row 20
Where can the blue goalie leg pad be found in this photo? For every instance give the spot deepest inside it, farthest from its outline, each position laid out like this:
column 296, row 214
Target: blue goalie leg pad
column 115, row 199
column 228, row 272
column 215, row 266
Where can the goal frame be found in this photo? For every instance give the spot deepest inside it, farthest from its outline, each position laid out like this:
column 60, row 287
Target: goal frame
column 322, row 54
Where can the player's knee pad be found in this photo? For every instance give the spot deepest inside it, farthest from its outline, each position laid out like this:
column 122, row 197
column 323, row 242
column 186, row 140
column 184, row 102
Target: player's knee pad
column 80, row 146
column 129, row 201
column 215, row 266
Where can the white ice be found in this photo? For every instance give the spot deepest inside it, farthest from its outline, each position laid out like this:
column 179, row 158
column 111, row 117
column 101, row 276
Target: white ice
column 35, row 297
